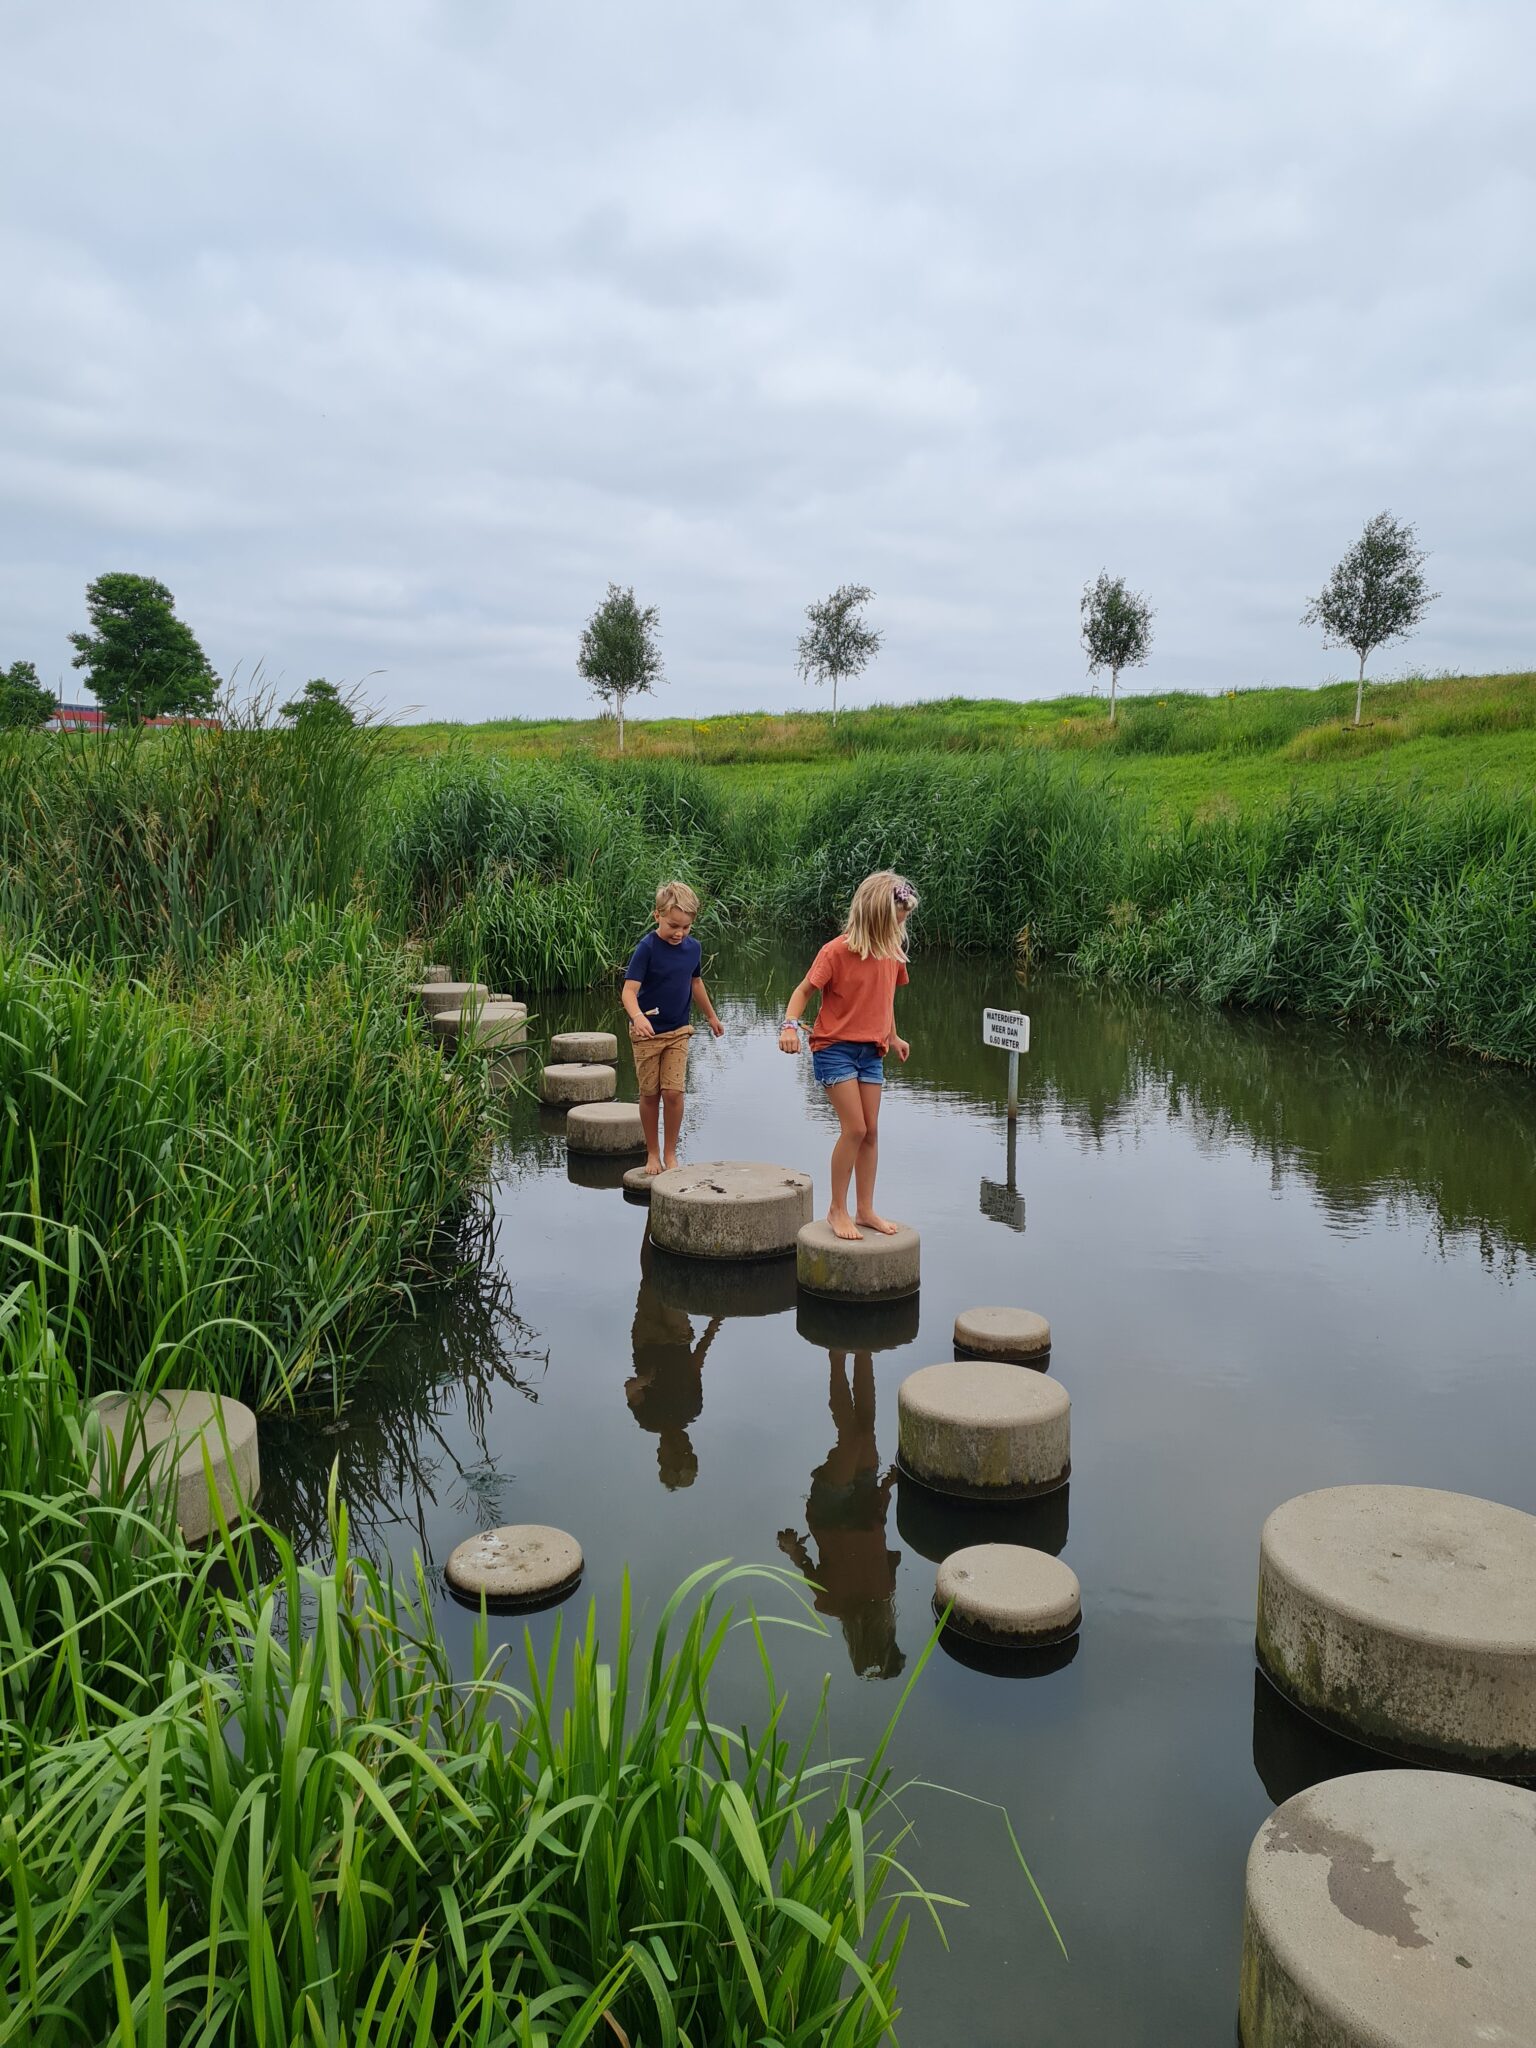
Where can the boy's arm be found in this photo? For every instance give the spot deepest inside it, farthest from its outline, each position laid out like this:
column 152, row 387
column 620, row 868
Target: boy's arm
column 641, row 1025
column 701, row 998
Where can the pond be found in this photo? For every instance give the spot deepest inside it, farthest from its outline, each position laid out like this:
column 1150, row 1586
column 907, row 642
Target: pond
column 1274, row 1258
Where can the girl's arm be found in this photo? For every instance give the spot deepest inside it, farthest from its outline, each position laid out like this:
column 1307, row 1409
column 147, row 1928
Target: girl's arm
column 794, row 1010
column 701, row 998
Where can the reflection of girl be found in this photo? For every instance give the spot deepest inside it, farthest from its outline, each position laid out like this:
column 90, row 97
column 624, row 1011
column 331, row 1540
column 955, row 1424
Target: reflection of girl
column 854, row 1573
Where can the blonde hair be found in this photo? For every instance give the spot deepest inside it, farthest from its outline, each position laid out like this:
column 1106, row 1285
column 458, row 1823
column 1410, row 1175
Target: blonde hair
column 873, row 930
column 677, row 896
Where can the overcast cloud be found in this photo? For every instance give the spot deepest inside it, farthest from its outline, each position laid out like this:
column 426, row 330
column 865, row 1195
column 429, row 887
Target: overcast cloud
column 387, row 334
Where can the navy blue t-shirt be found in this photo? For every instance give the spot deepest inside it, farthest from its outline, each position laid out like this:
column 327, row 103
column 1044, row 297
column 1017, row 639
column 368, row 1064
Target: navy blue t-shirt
column 665, row 974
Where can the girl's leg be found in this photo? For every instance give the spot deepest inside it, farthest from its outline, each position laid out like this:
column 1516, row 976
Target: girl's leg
column 844, row 1098
column 867, row 1159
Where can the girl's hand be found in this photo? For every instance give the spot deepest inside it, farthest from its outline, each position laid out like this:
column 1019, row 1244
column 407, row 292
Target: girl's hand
column 902, row 1049
column 789, row 1038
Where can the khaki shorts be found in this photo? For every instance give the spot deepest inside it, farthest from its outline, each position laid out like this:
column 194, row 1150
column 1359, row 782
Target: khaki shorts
column 661, row 1063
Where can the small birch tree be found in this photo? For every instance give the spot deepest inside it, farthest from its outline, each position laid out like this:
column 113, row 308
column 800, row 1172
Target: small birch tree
column 837, row 643
column 1117, row 629
column 620, row 653
column 1376, row 594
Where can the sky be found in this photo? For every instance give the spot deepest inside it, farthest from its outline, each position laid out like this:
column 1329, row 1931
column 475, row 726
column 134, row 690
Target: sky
column 387, row 333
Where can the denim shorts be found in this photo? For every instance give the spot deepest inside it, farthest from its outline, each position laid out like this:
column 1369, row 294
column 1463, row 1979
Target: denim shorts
column 848, row 1059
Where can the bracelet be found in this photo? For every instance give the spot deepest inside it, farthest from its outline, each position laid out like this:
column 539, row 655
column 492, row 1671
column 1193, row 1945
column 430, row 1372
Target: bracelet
column 792, row 1024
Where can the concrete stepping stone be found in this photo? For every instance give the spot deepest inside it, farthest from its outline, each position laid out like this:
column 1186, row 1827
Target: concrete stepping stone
column 565, row 1083
column 523, row 1564
column 605, row 1127
column 167, row 1433
column 1392, row 1909
column 436, row 997
column 869, row 1268
column 638, row 1184
column 1015, row 1335
column 730, row 1209
column 1007, row 1596
column 495, row 1026
column 834, row 1325
column 981, row 1430
column 436, row 971
column 1406, row 1618
column 584, row 1048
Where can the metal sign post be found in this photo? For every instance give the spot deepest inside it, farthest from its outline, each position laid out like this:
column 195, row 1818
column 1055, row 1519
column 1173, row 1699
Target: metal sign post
column 1009, row 1031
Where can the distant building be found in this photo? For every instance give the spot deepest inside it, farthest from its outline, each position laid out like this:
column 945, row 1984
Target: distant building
column 91, row 718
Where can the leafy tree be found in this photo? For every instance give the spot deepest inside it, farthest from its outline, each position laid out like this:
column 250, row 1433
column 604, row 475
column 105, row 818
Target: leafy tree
column 319, row 702
column 1117, row 629
column 141, row 660
column 23, row 700
column 837, row 642
column 1375, row 595
column 620, row 653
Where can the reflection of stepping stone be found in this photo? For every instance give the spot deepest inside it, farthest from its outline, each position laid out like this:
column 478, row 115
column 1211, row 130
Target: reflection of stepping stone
column 584, row 1048
column 870, row 1268
column 935, row 1524
column 437, row 996
column 1015, row 1335
column 834, row 1325
column 729, row 1209
column 721, row 1287
column 1008, row 1597
column 567, row 1083
column 1406, row 1618
column 168, row 1433
column 524, row 1564
column 1392, row 1909
column 985, row 1431
column 605, row 1127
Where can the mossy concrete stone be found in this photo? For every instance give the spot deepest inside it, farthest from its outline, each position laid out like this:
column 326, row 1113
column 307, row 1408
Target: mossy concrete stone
column 494, row 1026
column 565, row 1083
column 868, row 1268
column 168, row 1433
column 523, row 1564
column 1015, row 1335
column 638, row 1183
column 435, row 997
column 605, row 1127
column 982, row 1430
column 1392, row 1909
column 1008, row 1596
column 584, row 1048
column 1406, row 1618
column 730, row 1209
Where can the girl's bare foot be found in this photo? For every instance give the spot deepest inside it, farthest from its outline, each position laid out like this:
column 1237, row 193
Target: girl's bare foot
column 671, row 1161
column 880, row 1223
column 653, row 1166
column 843, row 1225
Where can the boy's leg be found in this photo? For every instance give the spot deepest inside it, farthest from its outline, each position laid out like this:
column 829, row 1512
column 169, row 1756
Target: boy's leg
column 844, row 1098
column 673, row 1076
column 650, row 1124
column 672, row 1113
column 867, row 1160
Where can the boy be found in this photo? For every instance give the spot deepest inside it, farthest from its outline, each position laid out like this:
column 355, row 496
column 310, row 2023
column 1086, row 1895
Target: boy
column 661, row 985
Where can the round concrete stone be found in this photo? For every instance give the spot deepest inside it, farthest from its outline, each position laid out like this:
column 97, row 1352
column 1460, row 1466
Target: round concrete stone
column 638, row 1183
column 495, row 1026
column 1017, row 1336
column 585, row 1048
column 605, row 1127
column 167, row 1433
column 564, row 1084
column 984, row 1431
column 1406, row 1618
column 438, row 996
column 1008, row 1597
column 1392, row 1909
column 729, row 1209
column 524, row 1564
column 869, row 1268
column 436, row 971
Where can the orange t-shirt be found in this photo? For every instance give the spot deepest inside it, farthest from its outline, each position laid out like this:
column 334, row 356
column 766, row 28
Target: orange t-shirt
column 857, row 997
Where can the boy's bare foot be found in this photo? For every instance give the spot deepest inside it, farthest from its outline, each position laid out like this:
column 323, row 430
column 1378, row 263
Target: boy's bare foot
column 653, row 1165
column 843, row 1225
column 880, row 1223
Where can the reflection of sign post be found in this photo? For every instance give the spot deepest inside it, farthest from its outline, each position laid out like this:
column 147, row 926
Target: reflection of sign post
column 1009, row 1030
column 1002, row 1201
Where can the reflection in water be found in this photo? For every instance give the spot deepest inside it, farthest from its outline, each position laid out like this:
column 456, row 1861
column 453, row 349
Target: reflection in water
column 833, row 1325
column 666, row 1390
column 854, row 1572
column 1009, row 1663
column 1292, row 1753
column 936, row 1526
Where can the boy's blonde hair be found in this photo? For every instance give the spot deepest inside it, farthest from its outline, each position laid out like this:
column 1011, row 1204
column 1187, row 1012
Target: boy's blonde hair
column 677, row 896
column 873, row 930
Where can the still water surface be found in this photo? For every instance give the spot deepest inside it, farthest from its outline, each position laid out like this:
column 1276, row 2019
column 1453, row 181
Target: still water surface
column 1273, row 1259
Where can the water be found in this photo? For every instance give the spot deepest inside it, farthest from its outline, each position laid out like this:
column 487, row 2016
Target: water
column 1273, row 1259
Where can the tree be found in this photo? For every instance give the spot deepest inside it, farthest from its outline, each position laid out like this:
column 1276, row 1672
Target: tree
column 1117, row 629
column 142, row 661
column 23, row 700
column 837, row 642
column 620, row 653
column 1375, row 595
column 318, row 703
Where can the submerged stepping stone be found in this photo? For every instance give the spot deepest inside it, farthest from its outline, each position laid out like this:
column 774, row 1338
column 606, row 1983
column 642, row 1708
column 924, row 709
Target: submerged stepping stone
column 1007, row 1596
column 729, row 1209
column 605, row 1127
column 584, row 1048
column 1392, row 1909
column 495, row 1025
column 869, row 1268
column 1016, row 1335
column 1406, row 1618
column 436, row 997
column 564, row 1084
column 982, row 1430
column 524, row 1564
column 167, row 1432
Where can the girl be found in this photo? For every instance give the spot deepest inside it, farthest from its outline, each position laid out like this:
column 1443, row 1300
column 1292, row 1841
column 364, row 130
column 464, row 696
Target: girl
column 858, row 976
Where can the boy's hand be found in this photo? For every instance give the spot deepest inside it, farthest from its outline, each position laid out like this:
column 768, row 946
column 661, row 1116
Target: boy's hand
column 641, row 1027
column 902, row 1049
column 717, row 1027
column 789, row 1038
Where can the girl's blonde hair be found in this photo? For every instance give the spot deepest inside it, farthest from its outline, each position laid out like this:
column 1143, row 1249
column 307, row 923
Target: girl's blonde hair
column 873, row 930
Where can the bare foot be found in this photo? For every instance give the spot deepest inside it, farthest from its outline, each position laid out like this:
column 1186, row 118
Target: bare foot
column 843, row 1225
column 653, row 1166
column 881, row 1223
column 671, row 1161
